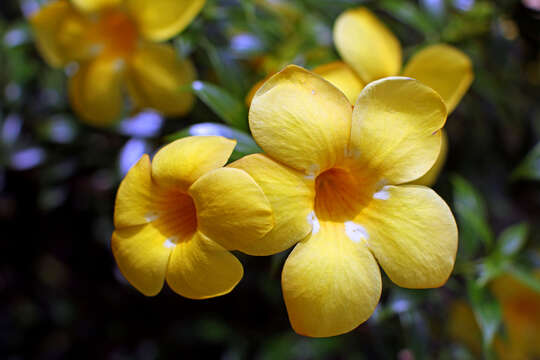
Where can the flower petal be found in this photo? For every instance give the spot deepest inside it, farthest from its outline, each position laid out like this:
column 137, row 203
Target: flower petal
column 413, row 234
column 200, row 268
column 331, row 284
column 142, row 254
column 395, row 127
column 155, row 77
column 95, row 5
column 162, row 19
column 134, row 196
column 232, row 210
column 96, row 91
column 445, row 69
column 59, row 32
column 301, row 120
column 291, row 196
column 343, row 77
column 367, row 45
column 183, row 161
column 429, row 178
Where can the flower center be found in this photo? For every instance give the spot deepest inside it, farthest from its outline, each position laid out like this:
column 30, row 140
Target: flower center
column 340, row 195
column 175, row 216
column 114, row 33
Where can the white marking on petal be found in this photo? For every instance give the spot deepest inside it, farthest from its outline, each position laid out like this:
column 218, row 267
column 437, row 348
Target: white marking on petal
column 382, row 194
column 312, row 172
column 314, row 222
column 151, row 216
column 312, row 92
column 356, row 232
column 171, row 242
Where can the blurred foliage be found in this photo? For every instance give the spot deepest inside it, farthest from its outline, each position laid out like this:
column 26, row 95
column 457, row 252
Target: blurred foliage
column 62, row 296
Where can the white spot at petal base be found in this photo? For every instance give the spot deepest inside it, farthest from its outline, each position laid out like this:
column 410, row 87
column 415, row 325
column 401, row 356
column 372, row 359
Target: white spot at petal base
column 170, row 242
column 356, row 232
column 382, row 194
column 314, row 222
column 151, row 216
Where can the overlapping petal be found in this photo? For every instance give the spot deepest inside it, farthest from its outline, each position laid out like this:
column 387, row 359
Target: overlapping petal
column 413, row 235
column 367, row 45
column 429, row 178
column 200, row 268
column 161, row 19
column 155, row 79
column 183, row 161
column 232, row 209
column 331, row 284
column 343, row 77
column 59, row 31
column 142, row 254
column 445, row 69
column 395, row 133
column 291, row 196
column 134, row 198
column 95, row 5
column 301, row 120
column 96, row 90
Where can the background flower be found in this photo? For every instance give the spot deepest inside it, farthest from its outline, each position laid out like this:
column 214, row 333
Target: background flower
column 112, row 43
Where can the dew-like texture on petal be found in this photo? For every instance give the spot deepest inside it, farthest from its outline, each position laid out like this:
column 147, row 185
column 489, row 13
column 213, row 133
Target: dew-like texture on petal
column 156, row 75
column 183, row 161
column 59, row 32
column 232, row 209
column 95, row 5
column 429, row 178
column 331, row 284
column 96, row 91
column 291, row 196
column 142, row 256
column 445, row 69
column 343, row 77
column 367, row 45
column 134, row 198
column 301, row 120
column 200, row 268
column 160, row 20
column 413, row 235
column 395, row 125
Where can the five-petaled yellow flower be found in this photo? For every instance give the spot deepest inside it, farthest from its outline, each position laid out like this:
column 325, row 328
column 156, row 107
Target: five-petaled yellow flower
column 334, row 176
column 177, row 217
column 114, row 43
column 371, row 52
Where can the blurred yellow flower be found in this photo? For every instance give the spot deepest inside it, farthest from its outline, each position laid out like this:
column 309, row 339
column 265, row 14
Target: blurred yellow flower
column 521, row 317
column 334, row 176
column 177, row 217
column 114, row 43
column 370, row 52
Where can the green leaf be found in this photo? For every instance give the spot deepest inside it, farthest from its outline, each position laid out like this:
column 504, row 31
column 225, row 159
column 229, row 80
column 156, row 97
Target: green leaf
column 512, row 239
column 230, row 109
column 472, row 216
column 524, row 276
column 487, row 312
column 529, row 168
column 245, row 144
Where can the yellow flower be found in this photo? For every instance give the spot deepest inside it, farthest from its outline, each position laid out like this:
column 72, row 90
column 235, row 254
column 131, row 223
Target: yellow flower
column 114, row 43
column 177, row 217
column 334, row 176
column 521, row 317
column 370, row 52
